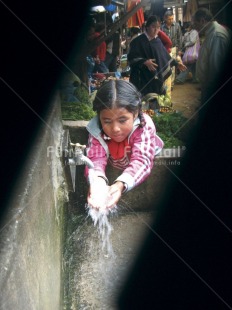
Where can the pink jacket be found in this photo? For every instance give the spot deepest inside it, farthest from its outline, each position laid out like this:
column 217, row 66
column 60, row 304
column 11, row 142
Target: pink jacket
column 137, row 163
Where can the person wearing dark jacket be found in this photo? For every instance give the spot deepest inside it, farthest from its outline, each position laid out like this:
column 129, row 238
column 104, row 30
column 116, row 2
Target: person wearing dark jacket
column 149, row 60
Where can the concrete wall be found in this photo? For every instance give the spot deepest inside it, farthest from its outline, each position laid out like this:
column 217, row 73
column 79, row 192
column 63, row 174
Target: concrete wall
column 32, row 230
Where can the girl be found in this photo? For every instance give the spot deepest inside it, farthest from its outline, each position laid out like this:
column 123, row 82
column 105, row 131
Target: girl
column 122, row 136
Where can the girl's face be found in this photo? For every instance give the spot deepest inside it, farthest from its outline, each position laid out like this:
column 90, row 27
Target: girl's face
column 117, row 123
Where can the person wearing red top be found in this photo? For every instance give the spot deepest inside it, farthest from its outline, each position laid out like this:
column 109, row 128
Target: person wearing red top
column 99, row 54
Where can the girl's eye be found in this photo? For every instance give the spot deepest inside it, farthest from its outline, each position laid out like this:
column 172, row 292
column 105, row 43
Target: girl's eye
column 121, row 121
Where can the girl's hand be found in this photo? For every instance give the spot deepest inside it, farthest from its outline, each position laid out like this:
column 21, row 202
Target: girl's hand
column 98, row 192
column 115, row 193
column 101, row 196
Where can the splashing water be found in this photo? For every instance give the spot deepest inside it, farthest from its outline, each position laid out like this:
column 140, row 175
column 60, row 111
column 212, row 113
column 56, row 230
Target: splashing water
column 100, row 216
column 100, row 219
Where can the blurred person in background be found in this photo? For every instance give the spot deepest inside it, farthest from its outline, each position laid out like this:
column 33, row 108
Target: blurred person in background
column 99, row 54
column 191, row 38
column 173, row 30
column 213, row 52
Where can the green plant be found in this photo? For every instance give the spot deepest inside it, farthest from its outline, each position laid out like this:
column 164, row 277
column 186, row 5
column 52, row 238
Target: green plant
column 76, row 111
column 82, row 108
column 82, row 94
column 170, row 142
column 172, row 128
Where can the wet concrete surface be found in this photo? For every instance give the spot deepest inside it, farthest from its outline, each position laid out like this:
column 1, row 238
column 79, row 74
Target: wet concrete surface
column 98, row 270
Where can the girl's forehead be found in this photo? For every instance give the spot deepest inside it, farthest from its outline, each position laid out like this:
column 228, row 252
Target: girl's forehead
column 114, row 112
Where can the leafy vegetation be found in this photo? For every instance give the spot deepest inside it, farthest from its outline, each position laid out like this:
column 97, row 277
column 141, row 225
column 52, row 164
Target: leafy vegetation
column 172, row 128
column 170, row 142
column 81, row 109
column 76, row 111
column 82, row 94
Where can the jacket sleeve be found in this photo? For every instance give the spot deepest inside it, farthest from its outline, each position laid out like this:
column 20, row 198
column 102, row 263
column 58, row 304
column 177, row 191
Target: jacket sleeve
column 144, row 147
column 97, row 154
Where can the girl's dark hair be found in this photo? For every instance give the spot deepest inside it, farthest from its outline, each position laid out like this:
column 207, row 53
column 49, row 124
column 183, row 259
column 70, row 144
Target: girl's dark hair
column 119, row 94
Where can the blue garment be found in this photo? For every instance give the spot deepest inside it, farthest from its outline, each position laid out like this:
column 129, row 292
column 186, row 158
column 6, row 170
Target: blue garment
column 91, row 64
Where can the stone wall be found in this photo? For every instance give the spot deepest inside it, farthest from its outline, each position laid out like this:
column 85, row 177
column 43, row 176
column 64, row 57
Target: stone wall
column 32, row 229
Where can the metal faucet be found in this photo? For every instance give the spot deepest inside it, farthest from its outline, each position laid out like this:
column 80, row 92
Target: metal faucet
column 73, row 156
column 79, row 158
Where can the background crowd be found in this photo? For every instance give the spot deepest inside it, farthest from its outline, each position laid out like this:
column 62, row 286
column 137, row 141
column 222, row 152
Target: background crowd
column 183, row 49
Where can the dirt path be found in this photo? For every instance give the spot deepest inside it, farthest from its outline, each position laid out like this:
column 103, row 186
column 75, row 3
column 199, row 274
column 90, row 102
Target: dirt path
column 185, row 99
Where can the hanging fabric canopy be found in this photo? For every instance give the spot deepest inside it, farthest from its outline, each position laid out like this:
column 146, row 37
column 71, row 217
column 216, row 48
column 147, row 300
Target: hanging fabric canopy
column 138, row 18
